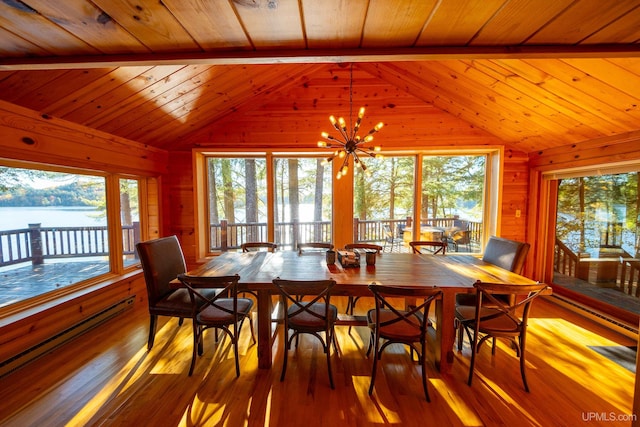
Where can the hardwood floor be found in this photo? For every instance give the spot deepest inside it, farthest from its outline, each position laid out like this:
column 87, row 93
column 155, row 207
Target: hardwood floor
column 107, row 377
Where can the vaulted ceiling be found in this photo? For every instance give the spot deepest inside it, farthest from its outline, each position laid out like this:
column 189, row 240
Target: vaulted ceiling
column 177, row 74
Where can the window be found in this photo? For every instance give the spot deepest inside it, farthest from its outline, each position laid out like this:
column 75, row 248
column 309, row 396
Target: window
column 384, row 201
column 129, row 220
column 597, row 234
column 237, row 190
column 53, row 227
column 453, row 190
column 288, row 199
column 302, row 201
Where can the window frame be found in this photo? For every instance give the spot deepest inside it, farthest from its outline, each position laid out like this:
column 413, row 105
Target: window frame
column 342, row 189
column 115, row 240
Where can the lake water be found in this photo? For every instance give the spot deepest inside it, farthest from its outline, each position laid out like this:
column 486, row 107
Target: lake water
column 20, row 217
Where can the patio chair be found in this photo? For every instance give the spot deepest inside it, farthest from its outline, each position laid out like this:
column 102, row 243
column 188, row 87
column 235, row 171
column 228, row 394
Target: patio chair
column 392, row 322
column 494, row 317
column 390, row 238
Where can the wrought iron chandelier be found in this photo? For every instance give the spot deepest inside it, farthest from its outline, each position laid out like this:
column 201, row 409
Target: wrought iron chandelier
column 350, row 144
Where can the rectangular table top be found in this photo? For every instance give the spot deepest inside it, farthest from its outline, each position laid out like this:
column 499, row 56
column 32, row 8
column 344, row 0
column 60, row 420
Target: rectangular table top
column 258, row 269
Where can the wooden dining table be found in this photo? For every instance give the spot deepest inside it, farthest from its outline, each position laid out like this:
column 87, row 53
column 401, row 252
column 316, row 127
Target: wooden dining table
column 452, row 273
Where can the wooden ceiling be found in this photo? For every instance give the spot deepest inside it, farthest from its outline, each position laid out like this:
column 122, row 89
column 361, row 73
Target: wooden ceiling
column 175, row 74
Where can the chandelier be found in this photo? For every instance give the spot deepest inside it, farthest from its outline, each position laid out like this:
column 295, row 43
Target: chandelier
column 349, row 143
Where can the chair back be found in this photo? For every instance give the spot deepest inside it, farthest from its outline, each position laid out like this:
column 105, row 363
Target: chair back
column 227, row 287
column 365, row 246
column 256, row 246
column 503, row 314
column 309, row 246
column 436, row 246
column 401, row 322
column 162, row 261
column 292, row 290
column 505, row 253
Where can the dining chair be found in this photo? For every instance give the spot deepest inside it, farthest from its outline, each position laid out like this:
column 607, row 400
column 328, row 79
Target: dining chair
column 393, row 322
column 494, row 317
column 390, row 238
column 222, row 311
column 257, row 246
column 314, row 246
column 162, row 261
column 504, row 253
column 351, row 303
column 432, row 246
column 312, row 317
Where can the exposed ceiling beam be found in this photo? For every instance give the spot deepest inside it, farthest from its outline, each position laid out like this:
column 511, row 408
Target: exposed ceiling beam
column 323, row 56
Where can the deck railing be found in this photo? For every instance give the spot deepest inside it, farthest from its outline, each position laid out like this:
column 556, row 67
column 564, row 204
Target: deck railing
column 36, row 243
column 619, row 271
column 228, row 236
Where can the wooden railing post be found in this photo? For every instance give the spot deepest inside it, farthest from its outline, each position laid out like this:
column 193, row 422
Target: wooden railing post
column 356, row 227
column 35, row 242
column 224, row 231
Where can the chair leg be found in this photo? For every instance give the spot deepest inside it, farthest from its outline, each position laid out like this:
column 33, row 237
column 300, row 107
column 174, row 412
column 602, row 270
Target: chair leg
column 197, row 345
column 285, row 356
column 328, row 345
column 375, row 363
column 153, row 320
column 522, row 365
column 425, row 382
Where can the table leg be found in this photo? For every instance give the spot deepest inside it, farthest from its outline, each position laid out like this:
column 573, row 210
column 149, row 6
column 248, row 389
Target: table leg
column 264, row 329
column 445, row 334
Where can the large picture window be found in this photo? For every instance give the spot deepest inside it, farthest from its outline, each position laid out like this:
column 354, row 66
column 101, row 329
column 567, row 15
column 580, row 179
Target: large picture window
column 290, row 199
column 54, row 230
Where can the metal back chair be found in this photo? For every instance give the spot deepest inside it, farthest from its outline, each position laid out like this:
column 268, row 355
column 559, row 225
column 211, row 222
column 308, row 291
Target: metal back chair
column 221, row 310
column 308, row 317
column 257, row 246
column 494, row 317
column 392, row 322
column 351, row 303
column 432, row 246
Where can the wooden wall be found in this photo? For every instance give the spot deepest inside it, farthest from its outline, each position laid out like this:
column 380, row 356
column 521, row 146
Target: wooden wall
column 27, row 136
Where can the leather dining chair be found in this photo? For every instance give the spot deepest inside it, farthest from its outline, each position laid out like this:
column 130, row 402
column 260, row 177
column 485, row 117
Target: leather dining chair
column 312, row 317
column 222, row 310
column 162, row 261
column 390, row 321
column 494, row 317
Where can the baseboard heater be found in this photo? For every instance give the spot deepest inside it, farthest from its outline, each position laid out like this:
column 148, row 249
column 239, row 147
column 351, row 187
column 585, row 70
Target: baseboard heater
column 57, row 340
column 597, row 316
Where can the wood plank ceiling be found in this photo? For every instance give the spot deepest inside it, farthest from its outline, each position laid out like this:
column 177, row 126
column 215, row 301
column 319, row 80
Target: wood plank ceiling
column 177, row 74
